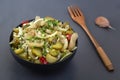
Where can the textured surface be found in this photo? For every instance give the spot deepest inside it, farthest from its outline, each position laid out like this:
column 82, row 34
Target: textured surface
column 86, row 65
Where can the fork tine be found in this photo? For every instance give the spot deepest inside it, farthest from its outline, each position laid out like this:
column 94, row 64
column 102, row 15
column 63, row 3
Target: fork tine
column 79, row 11
column 76, row 12
column 71, row 11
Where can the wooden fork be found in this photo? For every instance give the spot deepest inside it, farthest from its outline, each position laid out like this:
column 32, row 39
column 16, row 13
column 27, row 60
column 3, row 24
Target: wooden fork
column 78, row 17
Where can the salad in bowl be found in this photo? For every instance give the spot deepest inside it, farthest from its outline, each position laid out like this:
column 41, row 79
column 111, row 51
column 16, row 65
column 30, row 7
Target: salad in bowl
column 43, row 40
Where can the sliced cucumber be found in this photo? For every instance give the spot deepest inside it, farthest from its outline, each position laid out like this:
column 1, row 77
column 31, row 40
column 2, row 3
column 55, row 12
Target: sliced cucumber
column 65, row 56
column 36, row 52
column 58, row 46
column 54, row 52
column 51, row 59
column 19, row 51
column 23, row 56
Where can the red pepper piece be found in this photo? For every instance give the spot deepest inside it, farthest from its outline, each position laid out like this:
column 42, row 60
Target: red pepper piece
column 68, row 36
column 43, row 60
column 24, row 22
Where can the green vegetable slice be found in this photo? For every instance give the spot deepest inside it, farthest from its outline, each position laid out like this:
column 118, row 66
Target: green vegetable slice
column 65, row 56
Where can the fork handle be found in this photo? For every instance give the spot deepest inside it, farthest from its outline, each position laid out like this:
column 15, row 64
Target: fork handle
column 105, row 58
column 100, row 50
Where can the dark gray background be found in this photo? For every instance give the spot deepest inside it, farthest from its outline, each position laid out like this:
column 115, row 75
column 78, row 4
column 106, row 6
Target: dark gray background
column 86, row 65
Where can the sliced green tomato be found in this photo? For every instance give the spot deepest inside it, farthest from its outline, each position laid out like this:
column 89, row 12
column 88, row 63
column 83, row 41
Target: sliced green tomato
column 66, row 56
column 58, row 46
column 19, row 51
column 51, row 59
column 36, row 52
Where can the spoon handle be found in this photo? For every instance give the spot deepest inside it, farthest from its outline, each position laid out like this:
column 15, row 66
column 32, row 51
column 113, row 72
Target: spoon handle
column 112, row 28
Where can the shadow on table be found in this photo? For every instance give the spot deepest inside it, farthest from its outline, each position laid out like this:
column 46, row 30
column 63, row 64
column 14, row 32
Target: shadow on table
column 50, row 71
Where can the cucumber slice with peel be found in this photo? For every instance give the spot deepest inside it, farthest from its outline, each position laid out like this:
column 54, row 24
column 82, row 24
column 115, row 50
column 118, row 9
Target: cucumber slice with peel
column 65, row 56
